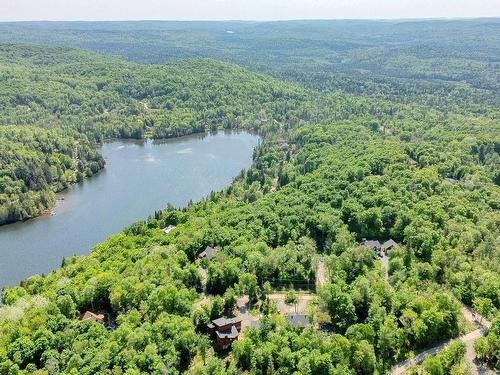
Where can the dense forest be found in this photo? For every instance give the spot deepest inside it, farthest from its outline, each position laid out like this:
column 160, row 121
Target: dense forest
column 450, row 64
column 35, row 162
column 378, row 157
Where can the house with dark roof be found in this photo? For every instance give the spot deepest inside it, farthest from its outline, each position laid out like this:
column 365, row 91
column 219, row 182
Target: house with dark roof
column 298, row 320
column 224, row 331
column 208, row 253
column 390, row 244
column 371, row 244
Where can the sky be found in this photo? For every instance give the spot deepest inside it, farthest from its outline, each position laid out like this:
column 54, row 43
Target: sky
column 58, row 10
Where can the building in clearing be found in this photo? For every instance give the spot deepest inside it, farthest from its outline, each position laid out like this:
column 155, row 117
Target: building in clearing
column 390, row 244
column 298, row 320
column 224, row 331
column 167, row 230
column 208, row 253
column 95, row 317
column 371, row 244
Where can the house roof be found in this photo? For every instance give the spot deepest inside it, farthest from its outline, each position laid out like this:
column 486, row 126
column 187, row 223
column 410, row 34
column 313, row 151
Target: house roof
column 89, row 315
column 372, row 244
column 229, row 334
column 298, row 320
column 219, row 322
column 209, row 253
column 390, row 243
column 168, row 229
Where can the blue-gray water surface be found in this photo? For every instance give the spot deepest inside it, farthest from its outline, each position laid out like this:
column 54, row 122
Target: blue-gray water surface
column 140, row 177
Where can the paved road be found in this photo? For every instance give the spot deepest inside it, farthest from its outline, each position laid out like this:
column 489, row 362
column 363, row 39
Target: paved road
column 468, row 339
column 470, row 354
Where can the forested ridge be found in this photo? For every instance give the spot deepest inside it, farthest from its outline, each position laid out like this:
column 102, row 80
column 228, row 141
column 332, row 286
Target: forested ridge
column 77, row 99
column 334, row 167
column 449, row 64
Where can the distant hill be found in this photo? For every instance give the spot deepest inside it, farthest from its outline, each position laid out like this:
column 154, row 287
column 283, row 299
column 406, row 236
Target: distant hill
column 377, row 47
column 441, row 62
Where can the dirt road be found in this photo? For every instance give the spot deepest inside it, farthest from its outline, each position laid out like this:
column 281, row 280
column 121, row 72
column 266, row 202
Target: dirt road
column 321, row 273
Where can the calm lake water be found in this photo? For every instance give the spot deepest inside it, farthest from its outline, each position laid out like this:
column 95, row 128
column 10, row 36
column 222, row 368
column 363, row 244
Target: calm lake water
column 140, row 177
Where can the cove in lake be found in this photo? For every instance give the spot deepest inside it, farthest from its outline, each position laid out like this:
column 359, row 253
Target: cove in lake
column 140, row 177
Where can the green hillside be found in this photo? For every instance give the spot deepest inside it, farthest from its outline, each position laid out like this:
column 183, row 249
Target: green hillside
column 333, row 168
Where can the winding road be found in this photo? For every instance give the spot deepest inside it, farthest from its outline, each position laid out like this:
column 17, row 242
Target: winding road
column 468, row 339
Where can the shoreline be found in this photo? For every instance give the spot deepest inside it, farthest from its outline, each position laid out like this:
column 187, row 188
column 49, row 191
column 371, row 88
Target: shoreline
column 138, row 181
column 49, row 211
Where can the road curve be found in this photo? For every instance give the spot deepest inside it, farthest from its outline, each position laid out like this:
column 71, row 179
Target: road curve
column 467, row 339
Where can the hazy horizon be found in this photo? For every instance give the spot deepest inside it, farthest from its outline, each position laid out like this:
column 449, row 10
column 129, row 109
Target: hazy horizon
column 255, row 20
column 243, row 10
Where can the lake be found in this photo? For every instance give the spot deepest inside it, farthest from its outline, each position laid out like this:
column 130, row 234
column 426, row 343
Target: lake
column 140, row 177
